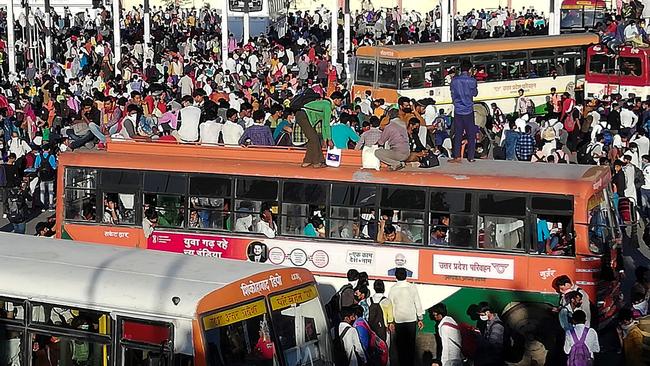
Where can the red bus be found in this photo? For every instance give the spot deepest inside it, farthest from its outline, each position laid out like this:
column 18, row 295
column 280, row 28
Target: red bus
column 623, row 72
column 581, row 15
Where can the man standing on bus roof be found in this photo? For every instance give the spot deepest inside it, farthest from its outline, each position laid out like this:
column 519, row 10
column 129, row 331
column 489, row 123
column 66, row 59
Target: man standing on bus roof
column 463, row 90
column 309, row 116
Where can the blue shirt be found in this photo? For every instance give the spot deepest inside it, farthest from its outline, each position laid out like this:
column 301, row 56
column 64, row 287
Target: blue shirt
column 463, row 90
column 525, row 147
column 279, row 129
column 341, row 134
column 259, row 135
column 49, row 157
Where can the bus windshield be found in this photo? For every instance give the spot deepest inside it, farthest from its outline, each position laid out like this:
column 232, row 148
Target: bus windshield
column 586, row 17
column 240, row 336
column 300, row 326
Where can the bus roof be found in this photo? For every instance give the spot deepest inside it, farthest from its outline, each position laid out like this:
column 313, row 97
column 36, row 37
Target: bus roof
column 113, row 278
column 477, row 46
column 285, row 163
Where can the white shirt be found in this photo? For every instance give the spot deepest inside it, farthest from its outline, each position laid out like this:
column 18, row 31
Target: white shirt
column 263, row 227
column 190, row 117
column 591, row 341
column 406, row 302
column 19, row 147
column 643, row 144
column 210, row 131
column 628, row 118
column 231, row 133
column 630, row 189
column 187, row 85
column 351, row 343
column 451, row 341
column 253, row 60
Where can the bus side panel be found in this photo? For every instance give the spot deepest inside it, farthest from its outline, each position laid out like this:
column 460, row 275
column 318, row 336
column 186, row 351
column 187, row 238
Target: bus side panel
column 199, row 344
column 111, row 235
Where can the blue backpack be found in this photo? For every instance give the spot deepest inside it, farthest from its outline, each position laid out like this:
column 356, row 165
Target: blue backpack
column 579, row 354
column 609, row 138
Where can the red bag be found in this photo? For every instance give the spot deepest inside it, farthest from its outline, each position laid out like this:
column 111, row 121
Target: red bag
column 569, row 123
column 469, row 337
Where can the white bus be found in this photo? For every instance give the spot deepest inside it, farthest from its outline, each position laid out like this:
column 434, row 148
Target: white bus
column 66, row 303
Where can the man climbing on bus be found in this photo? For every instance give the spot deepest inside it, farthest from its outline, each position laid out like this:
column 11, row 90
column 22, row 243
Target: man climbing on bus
column 310, row 115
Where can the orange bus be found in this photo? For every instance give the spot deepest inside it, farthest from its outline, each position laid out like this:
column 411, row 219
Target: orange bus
column 504, row 65
column 86, row 304
column 467, row 232
column 581, row 15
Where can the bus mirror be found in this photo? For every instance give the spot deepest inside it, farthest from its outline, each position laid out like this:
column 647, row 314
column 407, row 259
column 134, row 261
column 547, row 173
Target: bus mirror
column 176, row 300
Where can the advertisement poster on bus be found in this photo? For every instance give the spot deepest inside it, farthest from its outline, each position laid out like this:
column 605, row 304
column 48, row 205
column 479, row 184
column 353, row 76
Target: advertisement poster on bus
column 213, row 246
column 339, row 258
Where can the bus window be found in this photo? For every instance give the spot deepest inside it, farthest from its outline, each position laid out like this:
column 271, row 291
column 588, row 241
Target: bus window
column 513, row 65
column 210, row 202
column 540, row 63
column 365, row 71
column 300, row 326
column 52, row 349
column 145, row 343
column 71, row 318
column 387, row 74
column 352, row 214
column 12, row 309
column 240, row 336
column 166, row 193
column 501, row 222
column 12, row 347
column 568, row 62
column 303, row 209
column 630, row 66
column 602, row 221
column 80, row 194
column 601, row 64
column 250, row 197
column 487, row 67
column 402, row 213
column 433, row 73
column 118, row 209
column 451, row 222
column 412, row 74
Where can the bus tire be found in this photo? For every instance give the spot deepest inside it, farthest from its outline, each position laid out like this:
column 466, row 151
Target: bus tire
column 537, row 324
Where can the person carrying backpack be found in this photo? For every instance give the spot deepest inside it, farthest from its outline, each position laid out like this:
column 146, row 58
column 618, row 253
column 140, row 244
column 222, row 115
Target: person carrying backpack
column 581, row 342
column 17, row 210
column 348, row 350
column 380, row 312
column 343, row 298
column 45, row 164
column 451, row 340
column 375, row 348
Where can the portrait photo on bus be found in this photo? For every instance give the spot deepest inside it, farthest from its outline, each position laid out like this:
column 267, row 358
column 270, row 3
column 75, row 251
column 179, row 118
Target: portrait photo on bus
column 257, row 252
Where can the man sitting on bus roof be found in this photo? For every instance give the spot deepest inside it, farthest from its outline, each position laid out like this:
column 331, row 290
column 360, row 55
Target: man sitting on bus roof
column 396, row 136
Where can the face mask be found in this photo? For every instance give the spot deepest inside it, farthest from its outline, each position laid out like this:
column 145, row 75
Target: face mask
column 483, row 318
column 84, row 327
column 642, row 307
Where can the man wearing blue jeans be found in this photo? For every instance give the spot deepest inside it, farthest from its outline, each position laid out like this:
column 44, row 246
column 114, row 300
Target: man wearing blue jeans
column 45, row 164
column 463, row 90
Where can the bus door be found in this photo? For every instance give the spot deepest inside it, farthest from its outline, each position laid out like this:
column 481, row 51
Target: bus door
column 301, row 327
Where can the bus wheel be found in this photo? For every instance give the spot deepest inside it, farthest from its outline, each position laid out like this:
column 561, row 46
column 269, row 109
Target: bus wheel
column 536, row 326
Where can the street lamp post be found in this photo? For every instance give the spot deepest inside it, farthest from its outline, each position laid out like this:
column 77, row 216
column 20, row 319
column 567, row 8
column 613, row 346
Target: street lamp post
column 11, row 36
column 117, row 39
column 48, row 31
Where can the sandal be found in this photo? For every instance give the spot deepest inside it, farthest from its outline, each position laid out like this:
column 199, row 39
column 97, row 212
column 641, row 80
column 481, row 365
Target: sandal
column 305, row 165
column 319, row 165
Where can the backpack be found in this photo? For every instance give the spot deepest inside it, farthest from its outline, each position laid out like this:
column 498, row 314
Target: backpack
column 376, row 318
column 377, row 348
column 333, row 307
column 469, row 337
column 16, row 206
column 46, row 172
column 429, row 161
column 307, row 96
column 341, row 357
column 639, row 179
column 579, row 354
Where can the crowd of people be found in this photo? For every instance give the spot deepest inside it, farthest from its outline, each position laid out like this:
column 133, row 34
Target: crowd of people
column 377, row 327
